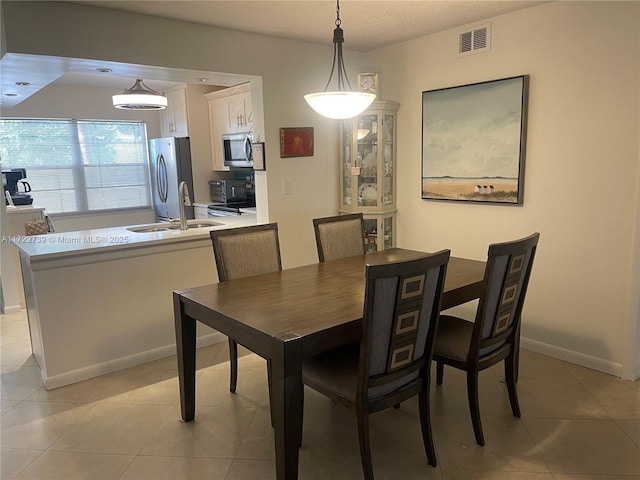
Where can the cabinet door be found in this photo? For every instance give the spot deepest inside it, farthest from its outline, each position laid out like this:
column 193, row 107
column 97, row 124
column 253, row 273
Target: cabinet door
column 219, row 122
column 248, row 109
column 238, row 116
column 174, row 117
column 167, row 120
column 180, row 116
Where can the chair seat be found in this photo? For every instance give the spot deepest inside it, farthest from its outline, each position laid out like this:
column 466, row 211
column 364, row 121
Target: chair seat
column 453, row 338
column 335, row 371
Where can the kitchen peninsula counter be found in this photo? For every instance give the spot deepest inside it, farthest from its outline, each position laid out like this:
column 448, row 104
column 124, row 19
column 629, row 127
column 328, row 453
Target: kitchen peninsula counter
column 101, row 300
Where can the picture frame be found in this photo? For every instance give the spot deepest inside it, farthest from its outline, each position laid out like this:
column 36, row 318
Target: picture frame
column 259, row 162
column 474, row 142
column 296, row 142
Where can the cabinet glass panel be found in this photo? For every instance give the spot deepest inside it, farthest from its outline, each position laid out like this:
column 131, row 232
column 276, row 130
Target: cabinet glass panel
column 346, row 166
column 371, row 234
column 368, row 160
column 388, row 232
column 387, row 184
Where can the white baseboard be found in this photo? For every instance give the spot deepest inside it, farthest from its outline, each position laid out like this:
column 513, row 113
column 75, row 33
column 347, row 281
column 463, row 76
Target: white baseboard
column 588, row 361
column 96, row 370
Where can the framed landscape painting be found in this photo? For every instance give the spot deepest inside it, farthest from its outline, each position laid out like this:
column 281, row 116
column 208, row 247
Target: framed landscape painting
column 473, row 142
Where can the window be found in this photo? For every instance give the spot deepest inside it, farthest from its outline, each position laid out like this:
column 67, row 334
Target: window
column 78, row 166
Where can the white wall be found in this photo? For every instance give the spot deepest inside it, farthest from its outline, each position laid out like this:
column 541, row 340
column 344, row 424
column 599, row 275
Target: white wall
column 582, row 170
column 582, row 157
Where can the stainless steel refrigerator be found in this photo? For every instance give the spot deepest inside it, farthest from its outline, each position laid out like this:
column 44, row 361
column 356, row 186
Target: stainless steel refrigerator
column 170, row 165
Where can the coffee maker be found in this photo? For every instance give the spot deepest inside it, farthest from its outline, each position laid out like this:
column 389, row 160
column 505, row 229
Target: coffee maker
column 12, row 181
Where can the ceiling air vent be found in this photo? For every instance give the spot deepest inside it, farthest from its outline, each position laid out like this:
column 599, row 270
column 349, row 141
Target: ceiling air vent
column 475, row 39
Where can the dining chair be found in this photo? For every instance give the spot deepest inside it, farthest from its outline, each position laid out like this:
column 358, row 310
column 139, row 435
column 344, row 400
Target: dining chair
column 391, row 363
column 243, row 252
column 339, row 236
column 494, row 336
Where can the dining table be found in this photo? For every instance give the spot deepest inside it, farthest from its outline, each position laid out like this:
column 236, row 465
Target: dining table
column 289, row 315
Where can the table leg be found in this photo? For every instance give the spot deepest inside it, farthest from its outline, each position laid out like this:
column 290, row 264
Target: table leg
column 287, row 398
column 186, row 346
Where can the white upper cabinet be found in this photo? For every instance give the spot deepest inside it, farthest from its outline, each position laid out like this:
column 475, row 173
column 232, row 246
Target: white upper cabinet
column 240, row 118
column 174, row 118
column 230, row 111
column 219, row 121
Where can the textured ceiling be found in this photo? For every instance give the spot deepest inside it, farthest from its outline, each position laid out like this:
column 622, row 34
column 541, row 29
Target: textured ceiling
column 367, row 24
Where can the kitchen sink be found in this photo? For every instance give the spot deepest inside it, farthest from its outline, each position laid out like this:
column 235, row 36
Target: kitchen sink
column 166, row 227
column 202, row 224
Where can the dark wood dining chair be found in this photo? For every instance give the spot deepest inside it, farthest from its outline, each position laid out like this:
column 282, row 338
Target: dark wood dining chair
column 339, row 236
column 494, row 336
column 392, row 361
column 243, row 252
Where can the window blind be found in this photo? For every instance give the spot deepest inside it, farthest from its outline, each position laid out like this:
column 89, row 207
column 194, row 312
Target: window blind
column 76, row 166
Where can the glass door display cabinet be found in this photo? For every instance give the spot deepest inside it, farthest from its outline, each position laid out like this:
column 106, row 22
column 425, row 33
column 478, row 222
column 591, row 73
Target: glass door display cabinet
column 368, row 183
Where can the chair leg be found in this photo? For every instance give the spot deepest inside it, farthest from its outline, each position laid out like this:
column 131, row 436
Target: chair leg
column 425, row 424
column 511, row 377
column 474, row 406
column 365, row 447
column 233, row 363
column 439, row 372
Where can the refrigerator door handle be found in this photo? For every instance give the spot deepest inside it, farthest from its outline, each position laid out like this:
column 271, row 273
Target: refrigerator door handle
column 162, row 178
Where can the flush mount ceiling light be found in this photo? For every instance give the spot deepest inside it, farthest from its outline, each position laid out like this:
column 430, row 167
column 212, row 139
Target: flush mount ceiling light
column 140, row 97
column 341, row 103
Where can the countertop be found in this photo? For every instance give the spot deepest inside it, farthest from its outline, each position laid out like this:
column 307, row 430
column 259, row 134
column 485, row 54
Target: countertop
column 23, row 208
column 65, row 245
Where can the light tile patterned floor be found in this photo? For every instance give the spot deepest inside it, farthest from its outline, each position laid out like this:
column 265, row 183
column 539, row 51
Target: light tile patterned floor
column 577, row 424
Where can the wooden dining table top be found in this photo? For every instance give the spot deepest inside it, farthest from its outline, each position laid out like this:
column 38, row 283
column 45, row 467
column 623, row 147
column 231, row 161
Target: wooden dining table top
column 317, row 299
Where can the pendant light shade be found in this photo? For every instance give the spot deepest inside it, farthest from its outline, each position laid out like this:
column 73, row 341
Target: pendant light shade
column 343, row 102
column 140, row 97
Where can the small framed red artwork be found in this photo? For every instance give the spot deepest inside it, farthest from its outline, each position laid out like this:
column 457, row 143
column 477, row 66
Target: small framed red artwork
column 296, row 142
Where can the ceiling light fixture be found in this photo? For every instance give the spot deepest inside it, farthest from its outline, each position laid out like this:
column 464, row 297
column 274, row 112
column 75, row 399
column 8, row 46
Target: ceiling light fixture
column 140, row 97
column 341, row 103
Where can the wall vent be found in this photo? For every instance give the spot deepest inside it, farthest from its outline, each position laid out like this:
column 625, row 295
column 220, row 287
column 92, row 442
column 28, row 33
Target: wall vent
column 474, row 39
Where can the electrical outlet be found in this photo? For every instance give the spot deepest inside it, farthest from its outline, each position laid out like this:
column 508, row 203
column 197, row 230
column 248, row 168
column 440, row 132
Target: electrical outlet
column 287, row 186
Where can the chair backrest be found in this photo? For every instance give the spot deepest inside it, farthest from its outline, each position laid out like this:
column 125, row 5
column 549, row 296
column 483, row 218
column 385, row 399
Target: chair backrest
column 505, row 285
column 401, row 311
column 246, row 251
column 339, row 236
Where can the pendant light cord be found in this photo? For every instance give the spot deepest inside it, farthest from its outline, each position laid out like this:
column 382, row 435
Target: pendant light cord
column 338, row 40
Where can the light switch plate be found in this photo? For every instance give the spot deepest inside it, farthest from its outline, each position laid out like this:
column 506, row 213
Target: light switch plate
column 287, row 186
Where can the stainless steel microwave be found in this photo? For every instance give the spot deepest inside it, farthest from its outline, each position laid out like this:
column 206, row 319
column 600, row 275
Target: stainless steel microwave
column 237, row 148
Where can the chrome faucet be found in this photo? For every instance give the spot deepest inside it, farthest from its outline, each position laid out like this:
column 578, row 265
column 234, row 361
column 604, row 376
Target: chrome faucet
column 185, row 201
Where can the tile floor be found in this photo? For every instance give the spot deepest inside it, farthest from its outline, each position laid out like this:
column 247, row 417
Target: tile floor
column 577, row 424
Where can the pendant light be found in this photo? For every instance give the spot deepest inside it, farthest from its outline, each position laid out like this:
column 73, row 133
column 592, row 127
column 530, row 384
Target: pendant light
column 340, row 103
column 140, row 97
